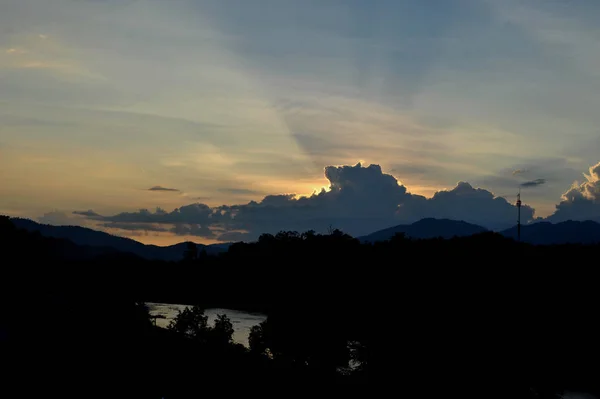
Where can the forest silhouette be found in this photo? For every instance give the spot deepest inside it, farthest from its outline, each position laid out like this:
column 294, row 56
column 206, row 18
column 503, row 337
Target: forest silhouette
column 440, row 316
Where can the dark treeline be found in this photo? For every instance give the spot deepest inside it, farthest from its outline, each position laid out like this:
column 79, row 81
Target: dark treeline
column 459, row 316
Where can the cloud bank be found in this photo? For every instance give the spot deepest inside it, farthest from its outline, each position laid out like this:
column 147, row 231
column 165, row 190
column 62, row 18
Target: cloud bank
column 582, row 200
column 359, row 200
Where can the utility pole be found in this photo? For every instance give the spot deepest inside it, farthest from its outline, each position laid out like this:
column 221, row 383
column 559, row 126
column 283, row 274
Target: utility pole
column 519, row 216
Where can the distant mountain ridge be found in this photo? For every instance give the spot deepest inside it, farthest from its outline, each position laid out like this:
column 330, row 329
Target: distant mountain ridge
column 546, row 233
column 107, row 243
column 96, row 243
column 427, row 228
column 539, row 233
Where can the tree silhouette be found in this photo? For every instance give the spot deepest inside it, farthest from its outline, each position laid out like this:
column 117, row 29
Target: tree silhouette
column 191, row 251
column 222, row 332
column 256, row 339
column 438, row 322
column 301, row 342
column 191, row 323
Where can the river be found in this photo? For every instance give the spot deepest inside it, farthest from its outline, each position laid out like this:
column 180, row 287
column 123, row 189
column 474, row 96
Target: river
column 242, row 321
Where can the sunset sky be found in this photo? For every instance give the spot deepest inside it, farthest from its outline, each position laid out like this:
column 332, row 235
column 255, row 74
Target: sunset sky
column 162, row 120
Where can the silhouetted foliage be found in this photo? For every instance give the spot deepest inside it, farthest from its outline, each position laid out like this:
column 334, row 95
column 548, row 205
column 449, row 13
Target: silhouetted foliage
column 446, row 314
column 191, row 323
column 191, row 251
column 222, row 332
column 256, row 340
column 317, row 344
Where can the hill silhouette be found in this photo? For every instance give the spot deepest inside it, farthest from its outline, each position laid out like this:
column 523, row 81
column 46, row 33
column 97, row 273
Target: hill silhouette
column 449, row 314
column 540, row 233
column 96, row 242
column 546, row 233
column 93, row 243
column 427, row 228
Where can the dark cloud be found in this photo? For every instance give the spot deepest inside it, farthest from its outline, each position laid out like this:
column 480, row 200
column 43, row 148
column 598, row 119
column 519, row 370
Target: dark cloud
column 533, row 183
column 359, row 200
column 159, row 188
column 473, row 205
column 192, row 230
column 88, row 214
column 582, row 200
column 192, row 219
column 134, row 226
column 193, row 213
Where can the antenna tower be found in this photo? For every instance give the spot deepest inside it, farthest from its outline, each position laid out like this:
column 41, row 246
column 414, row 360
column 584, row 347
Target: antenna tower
column 519, row 216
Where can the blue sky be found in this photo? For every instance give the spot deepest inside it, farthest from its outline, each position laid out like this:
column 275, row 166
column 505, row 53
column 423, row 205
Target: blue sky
column 229, row 101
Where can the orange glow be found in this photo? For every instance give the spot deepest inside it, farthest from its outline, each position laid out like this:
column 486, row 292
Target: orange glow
column 163, row 239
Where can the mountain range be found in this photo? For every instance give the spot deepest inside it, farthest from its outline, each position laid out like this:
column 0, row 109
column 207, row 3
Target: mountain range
column 91, row 242
column 99, row 242
column 427, row 228
column 539, row 233
column 546, row 233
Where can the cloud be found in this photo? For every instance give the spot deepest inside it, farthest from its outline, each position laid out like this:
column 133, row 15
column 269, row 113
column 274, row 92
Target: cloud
column 533, row 183
column 192, row 219
column 360, row 199
column 582, row 200
column 159, row 188
column 192, row 230
column 58, row 218
column 89, row 214
column 473, row 205
column 134, row 226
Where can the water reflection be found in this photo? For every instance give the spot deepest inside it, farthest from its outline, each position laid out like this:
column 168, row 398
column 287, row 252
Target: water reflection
column 242, row 321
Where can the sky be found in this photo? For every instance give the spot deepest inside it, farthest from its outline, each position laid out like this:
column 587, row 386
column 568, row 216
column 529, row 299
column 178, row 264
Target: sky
column 218, row 120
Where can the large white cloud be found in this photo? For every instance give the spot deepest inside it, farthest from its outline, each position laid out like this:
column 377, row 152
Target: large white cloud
column 473, row 205
column 360, row 200
column 582, row 200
